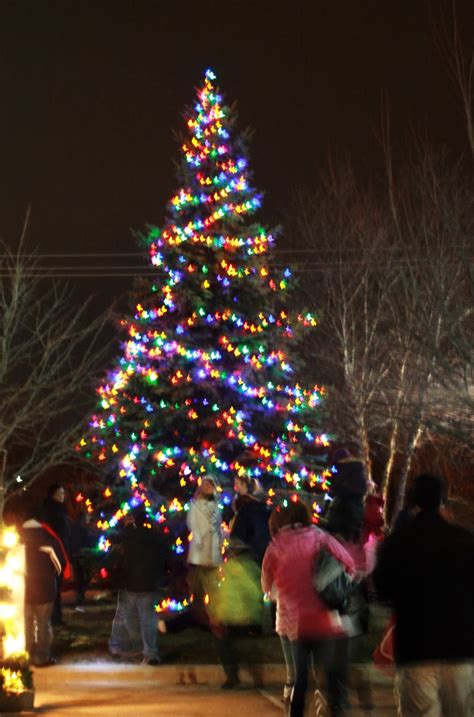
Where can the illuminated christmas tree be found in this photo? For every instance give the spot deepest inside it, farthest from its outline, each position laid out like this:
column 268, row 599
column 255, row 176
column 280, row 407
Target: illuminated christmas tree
column 206, row 383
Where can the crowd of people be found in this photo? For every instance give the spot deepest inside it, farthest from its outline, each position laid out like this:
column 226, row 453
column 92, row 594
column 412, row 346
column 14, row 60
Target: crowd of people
column 423, row 570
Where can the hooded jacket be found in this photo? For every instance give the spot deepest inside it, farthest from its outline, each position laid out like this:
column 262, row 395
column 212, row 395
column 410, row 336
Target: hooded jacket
column 288, row 566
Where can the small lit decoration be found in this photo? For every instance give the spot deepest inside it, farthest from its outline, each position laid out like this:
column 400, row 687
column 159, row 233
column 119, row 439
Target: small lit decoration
column 15, row 675
column 171, row 605
column 206, row 380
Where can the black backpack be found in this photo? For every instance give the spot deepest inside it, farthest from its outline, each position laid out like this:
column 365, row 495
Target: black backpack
column 340, row 592
column 332, row 582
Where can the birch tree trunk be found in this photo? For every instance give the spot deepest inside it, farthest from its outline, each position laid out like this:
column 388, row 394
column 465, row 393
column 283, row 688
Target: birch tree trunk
column 3, row 463
column 404, row 473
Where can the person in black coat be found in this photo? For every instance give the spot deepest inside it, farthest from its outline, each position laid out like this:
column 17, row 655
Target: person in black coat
column 141, row 574
column 44, row 562
column 56, row 516
column 349, row 486
column 426, row 570
column 408, row 511
column 250, row 522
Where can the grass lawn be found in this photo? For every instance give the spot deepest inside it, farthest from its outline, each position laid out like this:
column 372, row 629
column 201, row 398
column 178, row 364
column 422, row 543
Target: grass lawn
column 85, row 636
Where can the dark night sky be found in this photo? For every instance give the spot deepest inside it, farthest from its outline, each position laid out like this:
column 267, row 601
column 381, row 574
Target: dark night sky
column 91, row 93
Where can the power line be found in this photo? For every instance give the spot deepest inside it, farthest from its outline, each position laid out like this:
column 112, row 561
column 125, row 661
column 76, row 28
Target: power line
column 143, row 254
column 146, row 270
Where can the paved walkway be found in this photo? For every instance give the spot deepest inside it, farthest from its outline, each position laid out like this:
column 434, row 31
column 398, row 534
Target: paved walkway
column 102, row 689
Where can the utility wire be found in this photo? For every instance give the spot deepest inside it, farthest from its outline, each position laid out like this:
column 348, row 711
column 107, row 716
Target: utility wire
column 147, row 270
column 110, row 255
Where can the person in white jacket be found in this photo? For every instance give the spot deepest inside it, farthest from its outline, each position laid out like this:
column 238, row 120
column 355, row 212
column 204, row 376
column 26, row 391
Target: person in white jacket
column 205, row 555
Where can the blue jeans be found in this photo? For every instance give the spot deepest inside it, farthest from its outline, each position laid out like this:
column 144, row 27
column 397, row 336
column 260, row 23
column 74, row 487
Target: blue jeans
column 135, row 624
column 38, row 632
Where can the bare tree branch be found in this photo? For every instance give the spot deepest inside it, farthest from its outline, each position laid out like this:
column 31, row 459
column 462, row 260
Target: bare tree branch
column 50, row 352
column 458, row 60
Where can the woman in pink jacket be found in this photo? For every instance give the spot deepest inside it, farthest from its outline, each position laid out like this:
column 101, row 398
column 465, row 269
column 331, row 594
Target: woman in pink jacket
column 302, row 616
